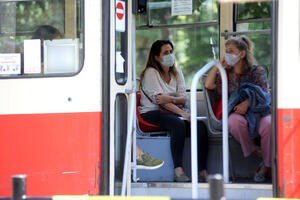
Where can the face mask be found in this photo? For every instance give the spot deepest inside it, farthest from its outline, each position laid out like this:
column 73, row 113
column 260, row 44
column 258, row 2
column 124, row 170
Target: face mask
column 168, row 60
column 231, row 59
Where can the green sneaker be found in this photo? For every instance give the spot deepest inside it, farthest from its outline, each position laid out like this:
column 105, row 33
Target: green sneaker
column 145, row 161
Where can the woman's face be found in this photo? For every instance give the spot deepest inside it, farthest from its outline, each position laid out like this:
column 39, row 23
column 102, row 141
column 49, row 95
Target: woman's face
column 166, row 49
column 231, row 49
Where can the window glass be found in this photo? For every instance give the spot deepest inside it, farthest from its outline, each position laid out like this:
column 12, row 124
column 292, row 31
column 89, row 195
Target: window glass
column 121, row 66
column 262, row 41
column 159, row 13
column 254, row 10
column 120, row 139
column 193, row 47
column 40, row 38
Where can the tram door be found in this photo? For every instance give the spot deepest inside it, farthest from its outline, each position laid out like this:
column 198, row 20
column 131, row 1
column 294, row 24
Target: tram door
column 120, row 87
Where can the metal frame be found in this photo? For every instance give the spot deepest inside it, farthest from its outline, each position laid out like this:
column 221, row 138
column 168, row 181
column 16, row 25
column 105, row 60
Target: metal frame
column 193, row 99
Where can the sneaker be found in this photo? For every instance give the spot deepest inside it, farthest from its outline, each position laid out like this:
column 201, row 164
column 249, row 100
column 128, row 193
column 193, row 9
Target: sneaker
column 181, row 178
column 145, row 161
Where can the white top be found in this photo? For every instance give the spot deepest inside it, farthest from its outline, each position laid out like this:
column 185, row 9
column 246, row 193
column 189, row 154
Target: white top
column 153, row 84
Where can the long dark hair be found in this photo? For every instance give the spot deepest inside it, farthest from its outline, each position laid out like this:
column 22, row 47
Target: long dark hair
column 152, row 63
column 243, row 43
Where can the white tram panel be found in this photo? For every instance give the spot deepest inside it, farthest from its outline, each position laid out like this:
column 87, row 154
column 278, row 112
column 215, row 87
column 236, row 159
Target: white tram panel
column 288, row 54
column 79, row 93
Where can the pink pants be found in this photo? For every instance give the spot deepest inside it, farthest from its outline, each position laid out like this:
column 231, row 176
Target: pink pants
column 238, row 127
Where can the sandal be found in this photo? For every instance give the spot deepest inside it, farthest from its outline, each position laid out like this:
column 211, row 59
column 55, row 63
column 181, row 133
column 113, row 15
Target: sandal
column 260, row 178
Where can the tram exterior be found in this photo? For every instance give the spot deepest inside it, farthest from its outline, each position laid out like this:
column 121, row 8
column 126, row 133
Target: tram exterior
column 288, row 104
column 51, row 127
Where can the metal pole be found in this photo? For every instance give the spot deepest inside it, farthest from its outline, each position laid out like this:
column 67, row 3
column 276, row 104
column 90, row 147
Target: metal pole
column 216, row 187
column 193, row 101
column 19, row 187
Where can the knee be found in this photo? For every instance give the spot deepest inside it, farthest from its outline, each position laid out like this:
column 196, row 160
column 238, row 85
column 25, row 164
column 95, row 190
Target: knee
column 265, row 126
column 236, row 122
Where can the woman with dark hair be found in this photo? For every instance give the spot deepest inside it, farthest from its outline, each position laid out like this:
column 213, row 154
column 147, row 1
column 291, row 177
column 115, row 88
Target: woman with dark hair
column 162, row 85
column 249, row 101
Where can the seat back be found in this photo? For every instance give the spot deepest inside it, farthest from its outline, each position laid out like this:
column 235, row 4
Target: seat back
column 214, row 125
column 143, row 125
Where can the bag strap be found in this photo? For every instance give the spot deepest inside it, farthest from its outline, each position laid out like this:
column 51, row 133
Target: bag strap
column 147, row 95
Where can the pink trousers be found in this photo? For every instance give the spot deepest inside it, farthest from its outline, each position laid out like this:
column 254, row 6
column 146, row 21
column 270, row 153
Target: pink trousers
column 238, row 127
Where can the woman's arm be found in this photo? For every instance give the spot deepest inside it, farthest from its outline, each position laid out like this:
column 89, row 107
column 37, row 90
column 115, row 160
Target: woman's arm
column 172, row 107
column 210, row 81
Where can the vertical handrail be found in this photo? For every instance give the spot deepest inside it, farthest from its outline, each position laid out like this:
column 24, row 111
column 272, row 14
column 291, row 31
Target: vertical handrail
column 131, row 125
column 132, row 99
column 193, row 100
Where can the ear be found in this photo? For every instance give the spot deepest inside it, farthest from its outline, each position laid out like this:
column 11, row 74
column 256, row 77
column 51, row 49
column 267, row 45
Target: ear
column 243, row 54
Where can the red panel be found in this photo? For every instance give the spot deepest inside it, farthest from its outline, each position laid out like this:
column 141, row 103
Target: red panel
column 289, row 152
column 59, row 153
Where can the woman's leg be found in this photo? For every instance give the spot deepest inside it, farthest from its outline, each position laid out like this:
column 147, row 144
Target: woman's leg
column 238, row 127
column 265, row 134
column 202, row 140
column 176, row 127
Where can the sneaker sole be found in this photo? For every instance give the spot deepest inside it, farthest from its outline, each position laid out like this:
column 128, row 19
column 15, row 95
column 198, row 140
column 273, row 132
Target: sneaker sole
column 149, row 167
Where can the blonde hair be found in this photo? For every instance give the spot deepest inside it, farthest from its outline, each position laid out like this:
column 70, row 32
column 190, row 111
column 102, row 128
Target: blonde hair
column 243, row 43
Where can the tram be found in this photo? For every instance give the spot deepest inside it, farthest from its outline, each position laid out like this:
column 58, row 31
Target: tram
column 68, row 69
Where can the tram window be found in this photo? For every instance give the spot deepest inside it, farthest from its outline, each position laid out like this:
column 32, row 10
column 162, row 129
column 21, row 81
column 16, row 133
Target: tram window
column 254, row 10
column 26, row 29
column 192, row 35
column 192, row 47
column 256, row 16
column 121, row 66
column 159, row 13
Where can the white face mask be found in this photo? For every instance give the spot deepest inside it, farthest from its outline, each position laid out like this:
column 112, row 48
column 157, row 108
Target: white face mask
column 168, row 60
column 232, row 59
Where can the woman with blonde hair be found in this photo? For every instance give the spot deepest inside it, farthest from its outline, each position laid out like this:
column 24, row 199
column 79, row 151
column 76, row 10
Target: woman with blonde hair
column 249, row 101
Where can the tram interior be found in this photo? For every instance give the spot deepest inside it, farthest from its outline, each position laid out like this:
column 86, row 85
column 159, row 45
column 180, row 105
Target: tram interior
column 197, row 40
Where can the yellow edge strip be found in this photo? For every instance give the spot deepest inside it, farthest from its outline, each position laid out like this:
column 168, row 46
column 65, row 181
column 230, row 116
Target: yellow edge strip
column 86, row 197
column 274, row 199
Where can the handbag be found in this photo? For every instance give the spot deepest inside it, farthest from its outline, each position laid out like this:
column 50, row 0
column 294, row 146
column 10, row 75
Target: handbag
column 161, row 108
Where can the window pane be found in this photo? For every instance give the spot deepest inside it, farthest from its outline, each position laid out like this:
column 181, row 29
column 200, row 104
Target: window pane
column 253, row 26
column 192, row 47
column 121, row 52
column 262, row 43
column 40, row 37
column 254, row 10
column 159, row 13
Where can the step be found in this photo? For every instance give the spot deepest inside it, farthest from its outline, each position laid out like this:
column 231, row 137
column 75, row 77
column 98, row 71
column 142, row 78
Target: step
column 233, row 191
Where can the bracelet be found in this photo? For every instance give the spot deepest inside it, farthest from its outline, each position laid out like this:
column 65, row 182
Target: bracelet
column 174, row 100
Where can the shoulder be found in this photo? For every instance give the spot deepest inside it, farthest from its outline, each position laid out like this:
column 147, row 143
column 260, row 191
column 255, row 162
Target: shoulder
column 151, row 71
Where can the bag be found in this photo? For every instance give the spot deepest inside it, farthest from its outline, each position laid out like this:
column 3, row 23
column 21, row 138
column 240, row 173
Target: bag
column 161, row 108
column 217, row 108
column 166, row 111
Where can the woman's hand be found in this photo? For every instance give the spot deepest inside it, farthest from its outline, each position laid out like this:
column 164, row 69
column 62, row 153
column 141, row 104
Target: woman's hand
column 242, row 107
column 186, row 116
column 223, row 62
column 163, row 99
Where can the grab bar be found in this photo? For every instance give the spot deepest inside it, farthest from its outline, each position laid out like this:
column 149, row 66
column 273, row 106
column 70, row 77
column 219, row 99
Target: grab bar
column 193, row 100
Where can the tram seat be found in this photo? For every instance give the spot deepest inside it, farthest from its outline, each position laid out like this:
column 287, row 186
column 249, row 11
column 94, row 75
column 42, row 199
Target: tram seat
column 214, row 125
column 145, row 127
